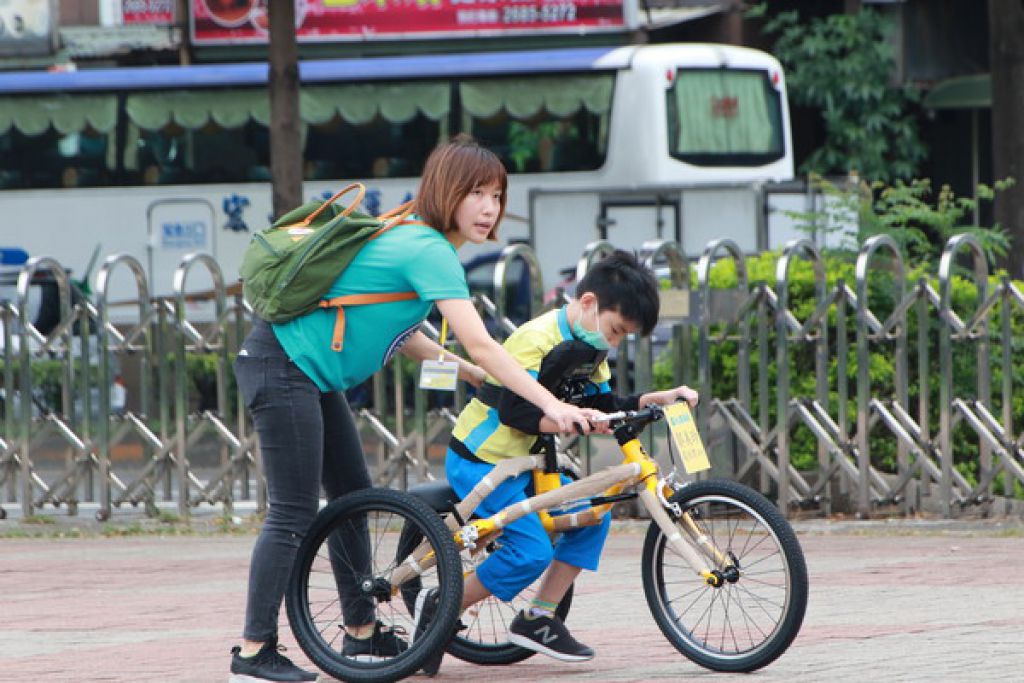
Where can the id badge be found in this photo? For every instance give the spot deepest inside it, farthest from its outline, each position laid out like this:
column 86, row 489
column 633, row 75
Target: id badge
column 439, row 375
column 686, row 438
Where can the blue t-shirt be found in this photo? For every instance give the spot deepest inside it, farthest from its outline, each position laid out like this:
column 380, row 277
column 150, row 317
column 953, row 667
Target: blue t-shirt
column 403, row 259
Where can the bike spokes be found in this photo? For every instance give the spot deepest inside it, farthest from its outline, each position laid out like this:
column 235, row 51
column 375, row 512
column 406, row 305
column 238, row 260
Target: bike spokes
column 754, row 612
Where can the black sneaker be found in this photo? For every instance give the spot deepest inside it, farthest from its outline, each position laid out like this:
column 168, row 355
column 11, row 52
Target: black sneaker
column 423, row 614
column 384, row 643
column 266, row 665
column 548, row 636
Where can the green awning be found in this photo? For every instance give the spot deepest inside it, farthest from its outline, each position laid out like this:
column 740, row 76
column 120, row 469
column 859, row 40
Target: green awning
column 360, row 103
column 962, row 92
column 355, row 104
column 195, row 108
column 523, row 98
column 66, row 113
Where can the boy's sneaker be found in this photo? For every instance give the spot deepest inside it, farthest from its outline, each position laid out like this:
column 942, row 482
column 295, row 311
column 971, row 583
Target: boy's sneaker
column 548, row 636
column 266, row 665
column 423, row 614
column 384, row 643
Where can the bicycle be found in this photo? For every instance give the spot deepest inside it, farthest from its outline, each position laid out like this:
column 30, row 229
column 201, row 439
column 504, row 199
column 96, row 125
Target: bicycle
column 723, row 573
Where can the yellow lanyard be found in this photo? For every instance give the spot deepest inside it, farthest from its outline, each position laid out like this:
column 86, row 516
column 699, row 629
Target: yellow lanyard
column 444, row 336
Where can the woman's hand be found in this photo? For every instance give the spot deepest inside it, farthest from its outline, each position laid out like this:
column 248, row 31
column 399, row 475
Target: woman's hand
column 598, row 425
column 475, row 374
column 566, row 417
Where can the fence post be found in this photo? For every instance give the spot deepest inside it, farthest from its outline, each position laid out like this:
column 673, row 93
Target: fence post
column 592, row 253
column 784, row 322
column 704, row 378
column 186, row 333
column 501, row 275
column 28, row 334
column 675, row 302
column 106, row 333
column 864, row 395
column 948, row 321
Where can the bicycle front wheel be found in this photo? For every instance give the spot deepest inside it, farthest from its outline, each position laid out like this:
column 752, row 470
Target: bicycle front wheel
column 749, row 621
column 344, row 574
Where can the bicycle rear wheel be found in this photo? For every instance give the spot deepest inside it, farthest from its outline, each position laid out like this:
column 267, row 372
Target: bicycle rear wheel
column 744, row 624
column 485, row 639
column 483, row 634
column 350, row 554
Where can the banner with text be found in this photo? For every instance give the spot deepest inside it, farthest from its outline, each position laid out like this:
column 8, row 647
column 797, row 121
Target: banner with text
column 147, row 12
column 231, row 22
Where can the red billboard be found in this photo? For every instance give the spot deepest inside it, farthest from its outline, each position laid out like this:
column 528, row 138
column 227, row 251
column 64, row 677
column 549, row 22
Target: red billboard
column 230, row 22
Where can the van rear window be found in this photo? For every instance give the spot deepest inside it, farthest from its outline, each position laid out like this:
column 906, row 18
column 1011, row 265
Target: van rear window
column 724, row 117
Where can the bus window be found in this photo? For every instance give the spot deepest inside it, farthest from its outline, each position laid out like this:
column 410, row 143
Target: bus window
column 541, row 124
column 375, row 149
column 209, row 154
column 721, row 117
column 53, row 159
column 57, row 140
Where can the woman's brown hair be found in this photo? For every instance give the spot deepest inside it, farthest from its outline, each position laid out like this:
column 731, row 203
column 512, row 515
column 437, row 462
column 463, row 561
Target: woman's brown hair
column 452, row 171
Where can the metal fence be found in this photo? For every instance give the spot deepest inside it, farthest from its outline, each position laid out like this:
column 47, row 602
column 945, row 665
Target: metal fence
column 62, row 429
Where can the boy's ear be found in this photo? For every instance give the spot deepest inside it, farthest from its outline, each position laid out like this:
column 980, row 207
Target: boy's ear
column 587, row 298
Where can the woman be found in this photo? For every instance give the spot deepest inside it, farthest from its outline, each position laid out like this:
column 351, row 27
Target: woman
column 292, row 382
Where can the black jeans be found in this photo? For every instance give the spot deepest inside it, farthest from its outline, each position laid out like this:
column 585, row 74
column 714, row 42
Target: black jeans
column 307, row 437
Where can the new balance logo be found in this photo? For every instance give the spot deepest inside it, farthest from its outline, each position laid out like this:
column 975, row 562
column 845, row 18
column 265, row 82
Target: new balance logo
column 546, row 636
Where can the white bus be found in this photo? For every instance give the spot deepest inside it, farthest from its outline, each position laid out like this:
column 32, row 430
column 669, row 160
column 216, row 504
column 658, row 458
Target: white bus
column 161, row 161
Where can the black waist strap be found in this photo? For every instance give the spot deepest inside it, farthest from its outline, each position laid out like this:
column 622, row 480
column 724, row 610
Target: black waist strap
column 460, row 450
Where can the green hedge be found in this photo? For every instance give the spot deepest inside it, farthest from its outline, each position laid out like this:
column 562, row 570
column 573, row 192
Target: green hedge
column 882, row 299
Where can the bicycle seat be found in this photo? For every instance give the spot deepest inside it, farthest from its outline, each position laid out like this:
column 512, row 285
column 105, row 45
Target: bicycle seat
column 438, row 494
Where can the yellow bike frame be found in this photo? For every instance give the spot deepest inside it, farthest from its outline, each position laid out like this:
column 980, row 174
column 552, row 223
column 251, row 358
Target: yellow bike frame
column 636, row 467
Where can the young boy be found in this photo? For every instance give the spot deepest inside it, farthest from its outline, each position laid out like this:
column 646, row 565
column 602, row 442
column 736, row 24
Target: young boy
column 616, row 297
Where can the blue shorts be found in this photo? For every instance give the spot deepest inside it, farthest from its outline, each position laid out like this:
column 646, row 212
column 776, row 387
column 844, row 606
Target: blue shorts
column 526, row 549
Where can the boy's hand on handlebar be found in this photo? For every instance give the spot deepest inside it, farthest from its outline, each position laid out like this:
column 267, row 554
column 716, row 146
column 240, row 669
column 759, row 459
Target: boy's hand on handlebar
column 663, row 398
column 687, row 394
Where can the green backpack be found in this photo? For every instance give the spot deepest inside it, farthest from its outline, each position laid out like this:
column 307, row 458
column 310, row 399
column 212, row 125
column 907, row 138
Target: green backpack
column 288, row 268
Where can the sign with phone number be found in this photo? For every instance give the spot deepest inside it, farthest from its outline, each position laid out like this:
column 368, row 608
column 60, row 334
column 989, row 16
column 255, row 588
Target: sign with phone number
column 226, row 22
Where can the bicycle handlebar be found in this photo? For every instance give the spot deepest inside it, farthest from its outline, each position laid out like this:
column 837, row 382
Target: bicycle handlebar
column 651, row 413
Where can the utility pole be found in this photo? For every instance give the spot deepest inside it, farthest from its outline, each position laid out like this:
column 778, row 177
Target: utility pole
column 1006, row 31
column 285, row 134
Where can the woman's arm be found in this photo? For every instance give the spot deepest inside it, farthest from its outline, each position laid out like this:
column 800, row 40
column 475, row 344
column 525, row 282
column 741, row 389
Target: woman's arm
column 420, row 347
column 490, row 355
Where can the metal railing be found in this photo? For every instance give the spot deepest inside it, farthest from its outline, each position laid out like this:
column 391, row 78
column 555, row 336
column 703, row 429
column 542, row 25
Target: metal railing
column 58, row 446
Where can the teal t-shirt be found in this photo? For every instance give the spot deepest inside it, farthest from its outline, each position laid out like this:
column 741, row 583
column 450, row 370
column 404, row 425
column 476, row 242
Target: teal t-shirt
column 406, row 258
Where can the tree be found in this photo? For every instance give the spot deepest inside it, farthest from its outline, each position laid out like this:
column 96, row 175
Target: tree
column 285, row 134
column 842, row 66
column 1006, row 27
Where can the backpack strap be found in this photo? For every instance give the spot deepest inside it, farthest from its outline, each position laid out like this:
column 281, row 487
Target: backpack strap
column 339, row 302
column 304, row 223
column 402, row 211
column 398, row 216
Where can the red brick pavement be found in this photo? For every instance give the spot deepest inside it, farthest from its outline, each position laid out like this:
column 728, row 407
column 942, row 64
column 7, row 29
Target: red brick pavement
column 907, row 603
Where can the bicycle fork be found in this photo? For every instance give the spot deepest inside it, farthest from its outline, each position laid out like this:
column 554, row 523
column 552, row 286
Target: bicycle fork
column 653, row 498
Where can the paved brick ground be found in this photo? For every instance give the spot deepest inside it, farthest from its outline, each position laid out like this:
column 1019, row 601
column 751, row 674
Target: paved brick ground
column 904, row 601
